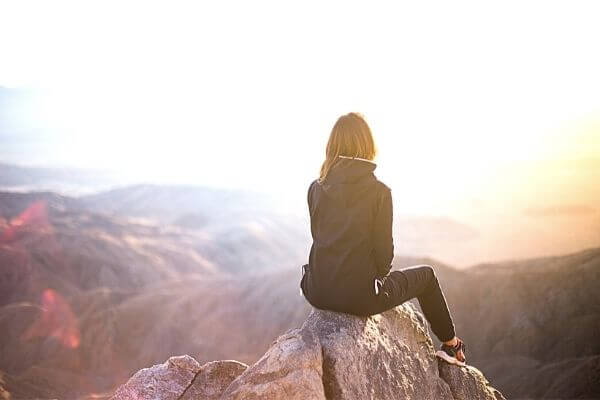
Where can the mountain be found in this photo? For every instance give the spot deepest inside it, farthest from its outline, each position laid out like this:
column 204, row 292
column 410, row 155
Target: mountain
column 87, row 297
column 237, row 238
column 63, row 180
column 249, row 231
column 480, row 233
column 49, row 240
column 235, row 318
column 167, row 203
column 87, row 290
column 533, row 324
column 121, row 331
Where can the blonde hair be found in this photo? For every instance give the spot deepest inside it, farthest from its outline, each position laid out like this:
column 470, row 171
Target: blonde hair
column 351, row 137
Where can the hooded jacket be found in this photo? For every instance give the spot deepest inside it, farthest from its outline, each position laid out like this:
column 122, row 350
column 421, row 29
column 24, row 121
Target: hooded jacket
column 351, row 226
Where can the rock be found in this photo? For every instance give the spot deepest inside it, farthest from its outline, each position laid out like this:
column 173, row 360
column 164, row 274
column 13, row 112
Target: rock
column 391, row 357
column 332, row 356
column 468, row 383
column 165, row 381
column 181, row 378
column 291, row 369
column 386, row 356
column 212, row 379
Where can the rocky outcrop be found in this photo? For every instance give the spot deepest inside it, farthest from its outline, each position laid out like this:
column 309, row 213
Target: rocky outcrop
column 212, row 379
column 166, row 381
column 181, row 378
column 467, row 383
column 332, row 356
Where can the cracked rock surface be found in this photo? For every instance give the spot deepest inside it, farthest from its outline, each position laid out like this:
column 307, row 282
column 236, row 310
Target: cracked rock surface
column 332, row 356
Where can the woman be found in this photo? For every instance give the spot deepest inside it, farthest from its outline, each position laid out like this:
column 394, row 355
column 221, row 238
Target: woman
column 352, row 251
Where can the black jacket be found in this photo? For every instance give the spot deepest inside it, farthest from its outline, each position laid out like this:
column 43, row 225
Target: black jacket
column 351, row 227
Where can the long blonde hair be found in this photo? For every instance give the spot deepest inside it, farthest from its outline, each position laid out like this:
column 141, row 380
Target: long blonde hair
column 351, row 137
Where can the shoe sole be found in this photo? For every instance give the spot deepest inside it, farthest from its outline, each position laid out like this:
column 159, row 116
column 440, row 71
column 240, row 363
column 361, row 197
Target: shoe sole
column 443, row 355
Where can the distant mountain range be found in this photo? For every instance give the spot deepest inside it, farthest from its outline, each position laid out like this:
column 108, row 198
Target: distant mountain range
column 533, row 324
column 491, row 235
column 90, row 294
column 62, row 180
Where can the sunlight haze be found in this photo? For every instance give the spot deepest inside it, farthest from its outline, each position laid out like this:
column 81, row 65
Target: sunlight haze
column 476, row 108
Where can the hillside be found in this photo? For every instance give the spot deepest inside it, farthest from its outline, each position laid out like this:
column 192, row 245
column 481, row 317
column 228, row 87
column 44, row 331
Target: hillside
column 88, row 290
column 533, row 324
column 84, row 290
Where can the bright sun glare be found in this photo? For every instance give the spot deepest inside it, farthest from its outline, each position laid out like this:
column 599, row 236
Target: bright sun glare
column 245, row 93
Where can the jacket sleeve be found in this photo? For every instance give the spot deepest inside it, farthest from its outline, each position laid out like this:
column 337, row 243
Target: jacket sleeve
column 309, row 196
column 383, row 241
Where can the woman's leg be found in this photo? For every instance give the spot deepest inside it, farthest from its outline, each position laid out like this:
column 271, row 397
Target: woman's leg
column 420, row 281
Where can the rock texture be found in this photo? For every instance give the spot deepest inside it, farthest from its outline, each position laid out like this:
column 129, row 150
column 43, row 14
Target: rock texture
column 332, row 356
column 467, row 383
column 212, row 379
column 166, row 381
column 291, row 369
column 181, row 378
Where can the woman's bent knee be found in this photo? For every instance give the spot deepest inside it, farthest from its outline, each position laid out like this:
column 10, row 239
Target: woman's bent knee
column 431, row 276
column 428, row 269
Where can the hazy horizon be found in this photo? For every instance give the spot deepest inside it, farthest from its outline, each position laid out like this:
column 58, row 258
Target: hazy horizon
column 495, row 128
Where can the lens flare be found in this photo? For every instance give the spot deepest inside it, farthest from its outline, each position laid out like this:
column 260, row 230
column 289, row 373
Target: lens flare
column 33, row 217
column 57, row 320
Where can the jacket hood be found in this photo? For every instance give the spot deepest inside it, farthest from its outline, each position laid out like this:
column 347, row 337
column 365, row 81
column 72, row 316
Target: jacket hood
column 350, row 170
column 349, row 181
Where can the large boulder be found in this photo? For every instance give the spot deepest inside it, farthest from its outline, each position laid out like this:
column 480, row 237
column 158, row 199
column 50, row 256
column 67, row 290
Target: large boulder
column 181, row 378
column 167, row 381
column 332, row 356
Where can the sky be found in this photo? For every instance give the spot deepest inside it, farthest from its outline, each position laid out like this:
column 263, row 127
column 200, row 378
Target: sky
column 460, row 96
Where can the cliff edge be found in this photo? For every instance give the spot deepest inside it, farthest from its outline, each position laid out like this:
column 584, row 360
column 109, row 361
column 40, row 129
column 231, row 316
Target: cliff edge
column 332, row 356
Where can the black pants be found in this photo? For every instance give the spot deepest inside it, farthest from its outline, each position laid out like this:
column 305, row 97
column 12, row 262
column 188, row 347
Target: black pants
column 397, row 287
column 418, row 281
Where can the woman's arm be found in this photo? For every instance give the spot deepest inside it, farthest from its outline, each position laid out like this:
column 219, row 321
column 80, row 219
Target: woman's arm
column 309, row 196
column 383, row 241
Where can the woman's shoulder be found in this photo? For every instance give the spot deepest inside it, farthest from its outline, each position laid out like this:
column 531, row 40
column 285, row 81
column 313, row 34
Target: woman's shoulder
column 382, row 186
column 311, row 187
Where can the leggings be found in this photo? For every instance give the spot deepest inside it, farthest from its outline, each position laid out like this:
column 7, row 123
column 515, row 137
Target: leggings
column 418, row 281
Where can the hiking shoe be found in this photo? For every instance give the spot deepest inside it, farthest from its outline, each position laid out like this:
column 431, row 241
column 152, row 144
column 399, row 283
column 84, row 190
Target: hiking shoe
column 448, row 353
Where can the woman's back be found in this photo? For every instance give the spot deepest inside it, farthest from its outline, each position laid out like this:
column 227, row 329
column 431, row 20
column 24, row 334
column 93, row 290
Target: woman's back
column 351, row 230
